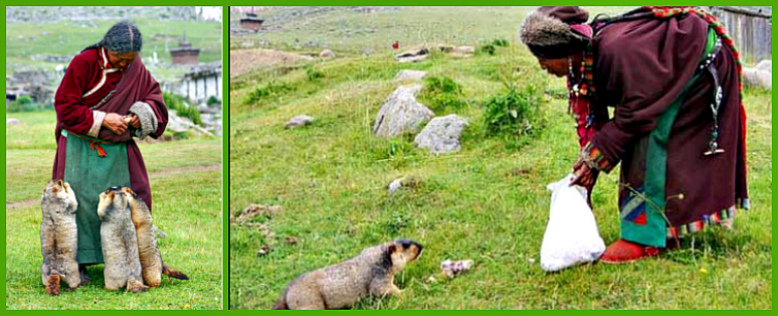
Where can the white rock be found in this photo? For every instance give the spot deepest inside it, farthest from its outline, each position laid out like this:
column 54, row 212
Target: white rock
column 326, row 54
column 401, row 113
column 441, row 135
column 395, row 185
column 12, row 122
column 410, row 75
column 300, row 120
column 765, row 65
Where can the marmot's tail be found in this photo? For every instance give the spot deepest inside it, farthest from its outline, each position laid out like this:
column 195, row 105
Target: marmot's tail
column 173, row 273
column 281, row 304
column 52, row 286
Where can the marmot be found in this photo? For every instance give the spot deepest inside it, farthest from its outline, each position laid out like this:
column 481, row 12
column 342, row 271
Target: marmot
column 120, row 242
column 148, row 251
column 341, row 285
column 59, row 236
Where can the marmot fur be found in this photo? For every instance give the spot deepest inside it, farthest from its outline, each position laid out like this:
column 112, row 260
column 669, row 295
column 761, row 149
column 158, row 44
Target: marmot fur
column 341, row 285
column 59, row 237
column 120, row 242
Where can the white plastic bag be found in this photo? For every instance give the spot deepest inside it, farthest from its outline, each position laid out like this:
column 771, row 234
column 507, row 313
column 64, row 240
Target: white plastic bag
column 571, row 236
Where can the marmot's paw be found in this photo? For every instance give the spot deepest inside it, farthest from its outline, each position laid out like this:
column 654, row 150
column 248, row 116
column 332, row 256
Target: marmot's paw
column 136, row 286
column 52, row 288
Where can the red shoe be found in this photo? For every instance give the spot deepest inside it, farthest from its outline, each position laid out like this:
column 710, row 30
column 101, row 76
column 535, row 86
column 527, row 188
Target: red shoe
column 623, row 251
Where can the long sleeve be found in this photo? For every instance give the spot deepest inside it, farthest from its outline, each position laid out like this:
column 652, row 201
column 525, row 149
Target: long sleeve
column 643, row 69
column 71, row 112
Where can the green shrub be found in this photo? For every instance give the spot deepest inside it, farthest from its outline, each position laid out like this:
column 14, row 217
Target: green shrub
column 23, row 104
column 488, row 49
column 501, row 42
column 513, row 114
column 269, row 90
column 213, row 100
column 313, row 74
column 441, row 93
column 174, row 102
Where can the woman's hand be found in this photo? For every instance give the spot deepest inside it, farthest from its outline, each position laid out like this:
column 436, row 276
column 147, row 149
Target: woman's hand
column 115, row 123
column 134, row 120
column 584, row 176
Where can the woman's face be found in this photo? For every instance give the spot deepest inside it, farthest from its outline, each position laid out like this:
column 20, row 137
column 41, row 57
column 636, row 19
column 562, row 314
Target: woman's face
column 557, row 67
column 119, row 60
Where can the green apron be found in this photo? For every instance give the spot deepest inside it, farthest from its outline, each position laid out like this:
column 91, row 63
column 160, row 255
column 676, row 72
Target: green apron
column 642, row 216
column 91, row 167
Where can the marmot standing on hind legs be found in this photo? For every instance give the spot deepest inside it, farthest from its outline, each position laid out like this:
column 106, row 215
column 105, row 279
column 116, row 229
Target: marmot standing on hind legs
column 120, row 242
column 59, row 237
column 150, row 260
column 341, row 285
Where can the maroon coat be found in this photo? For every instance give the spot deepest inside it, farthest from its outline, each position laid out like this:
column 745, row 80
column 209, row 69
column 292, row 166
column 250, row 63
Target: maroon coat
column 86, row 91
column 641, row 66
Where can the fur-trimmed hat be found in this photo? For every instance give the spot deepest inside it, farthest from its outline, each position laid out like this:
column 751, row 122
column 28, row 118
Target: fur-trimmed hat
column 556, row 32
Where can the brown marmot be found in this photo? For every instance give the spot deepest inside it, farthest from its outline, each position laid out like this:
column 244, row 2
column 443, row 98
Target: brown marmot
column 59, row 237
column 341, row 285
column 148, row 251
column 120, row 242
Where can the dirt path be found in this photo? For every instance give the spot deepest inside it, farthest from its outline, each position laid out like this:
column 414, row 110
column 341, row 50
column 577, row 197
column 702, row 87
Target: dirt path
column 245, row 60
column 158, row 173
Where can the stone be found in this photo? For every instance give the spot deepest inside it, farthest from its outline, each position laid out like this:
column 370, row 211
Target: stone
column 297, row 121
column 754, row 77
column 413, row 55
column 12, row 122
column 765, row 65
column 401, row 113
column 441, row 135
column 326, row 54
column 395, row 185
column 410, row 75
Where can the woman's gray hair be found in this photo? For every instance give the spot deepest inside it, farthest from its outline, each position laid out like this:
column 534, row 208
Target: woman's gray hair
column 122, row 37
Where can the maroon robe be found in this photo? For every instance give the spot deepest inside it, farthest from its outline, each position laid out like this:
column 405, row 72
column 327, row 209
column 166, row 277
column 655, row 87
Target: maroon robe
column 87, row 92
column 641, row 66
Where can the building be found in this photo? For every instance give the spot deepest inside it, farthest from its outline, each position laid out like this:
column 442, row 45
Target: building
column 199, row 84
column 251, row 22
column 185, row 54
column 751, row 27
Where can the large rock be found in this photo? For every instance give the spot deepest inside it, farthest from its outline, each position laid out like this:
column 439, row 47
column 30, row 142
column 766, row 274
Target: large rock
column 401, row 113
column 765, row 65
column 12, row 122
column 441, row 135
column 326, row 54
column 410, row 75
column 413, row 55
column 757, row 78
column 300, row 120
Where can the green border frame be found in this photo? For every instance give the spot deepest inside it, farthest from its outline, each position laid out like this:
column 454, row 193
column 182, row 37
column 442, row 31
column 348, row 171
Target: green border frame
column 225, row 112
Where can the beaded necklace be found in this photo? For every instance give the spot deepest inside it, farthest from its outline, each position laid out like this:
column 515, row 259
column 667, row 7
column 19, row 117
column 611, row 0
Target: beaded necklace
column 579, row 103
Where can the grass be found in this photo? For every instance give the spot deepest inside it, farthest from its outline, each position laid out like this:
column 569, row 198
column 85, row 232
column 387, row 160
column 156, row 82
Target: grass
column 487, row 202
column 204, row 35
column 189, row 214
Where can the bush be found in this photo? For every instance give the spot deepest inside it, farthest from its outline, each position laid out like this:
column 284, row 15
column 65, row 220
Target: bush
column 513, row 114
column 23, row 104
column 174, row 102
column 501, row 42
column 441, row 93
column 313, row 74
column 213, row 100
column 269, row 90
column 488, row 49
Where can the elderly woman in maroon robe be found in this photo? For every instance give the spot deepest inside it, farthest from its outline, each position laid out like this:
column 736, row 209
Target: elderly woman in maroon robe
column 106, row 98
column 672, row 75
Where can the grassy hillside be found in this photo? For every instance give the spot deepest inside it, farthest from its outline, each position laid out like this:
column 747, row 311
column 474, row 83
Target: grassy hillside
column 487, row 202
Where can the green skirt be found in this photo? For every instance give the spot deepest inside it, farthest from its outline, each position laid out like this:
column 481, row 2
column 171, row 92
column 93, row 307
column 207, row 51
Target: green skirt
column 91, row 167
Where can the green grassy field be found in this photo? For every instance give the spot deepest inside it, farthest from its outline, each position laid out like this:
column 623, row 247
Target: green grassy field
column 204, row 35
column 189, row 214
column 487, row 202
